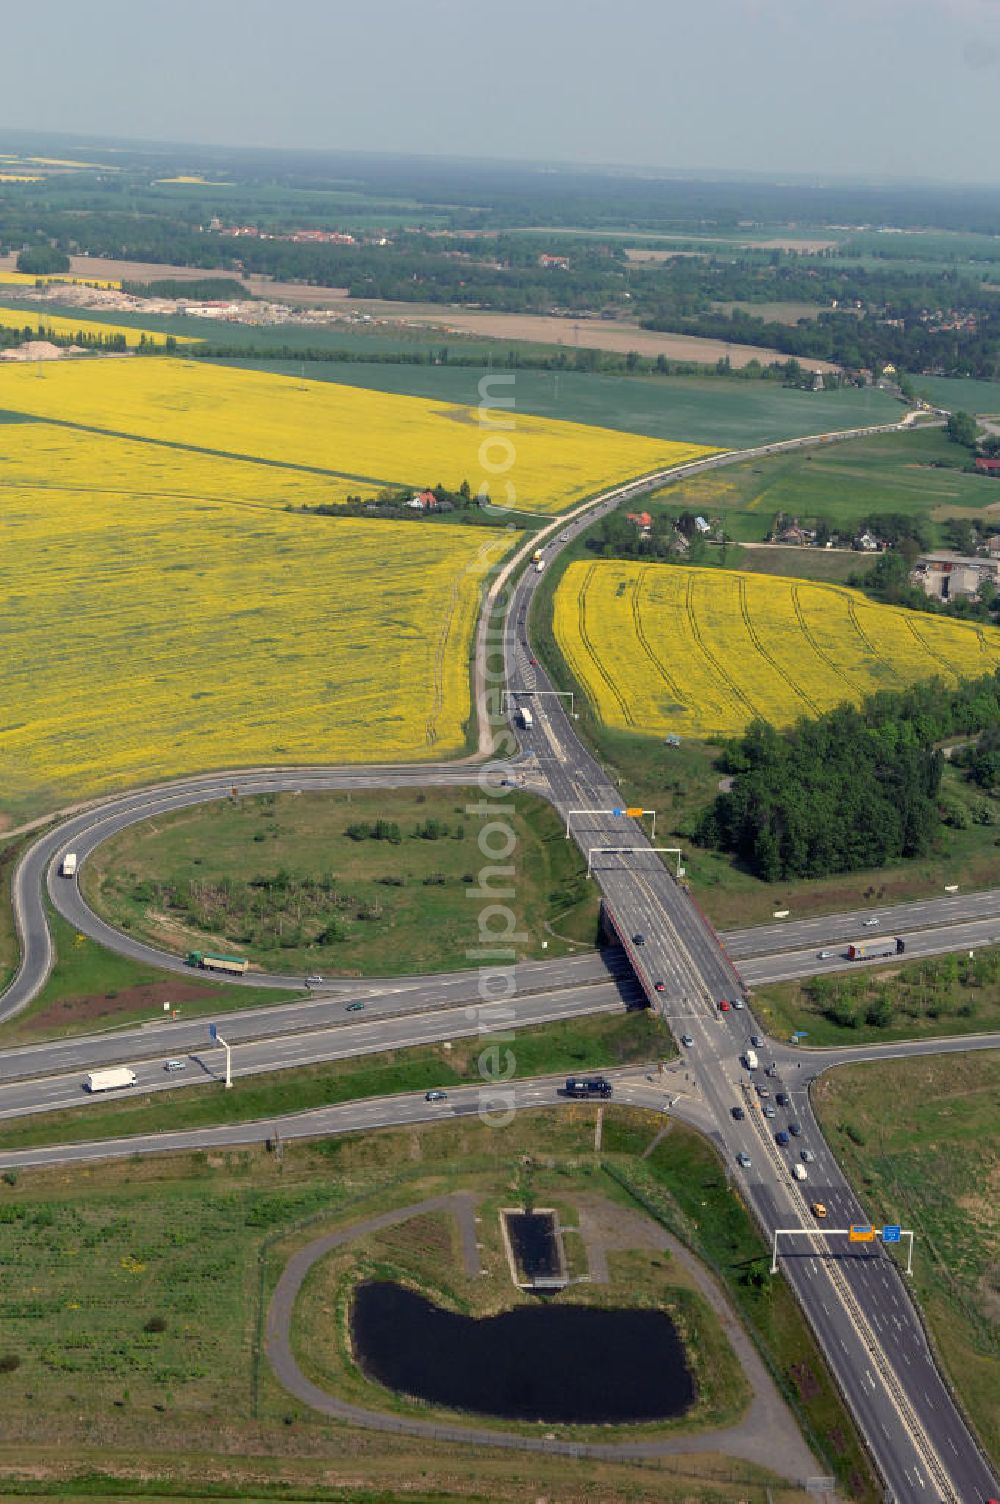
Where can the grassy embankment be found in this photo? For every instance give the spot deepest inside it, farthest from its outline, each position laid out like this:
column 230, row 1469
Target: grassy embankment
column 931, row 1163
column 158, row 1273
column 365, row 882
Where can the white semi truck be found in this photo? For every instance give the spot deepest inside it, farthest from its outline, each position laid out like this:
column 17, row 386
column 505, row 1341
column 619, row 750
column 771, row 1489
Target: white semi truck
column 68, row 865
column 750, row 1060
column 526, row 718
column 112, row 1079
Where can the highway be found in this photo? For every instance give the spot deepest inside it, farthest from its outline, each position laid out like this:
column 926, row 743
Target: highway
column 858, row 1306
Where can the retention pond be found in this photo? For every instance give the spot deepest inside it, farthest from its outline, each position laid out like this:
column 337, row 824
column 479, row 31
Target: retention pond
column 565, row 1363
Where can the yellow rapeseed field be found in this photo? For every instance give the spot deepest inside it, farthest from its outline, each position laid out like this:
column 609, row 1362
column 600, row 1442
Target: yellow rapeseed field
column 699, row 652
column 143, row 636
column 28, row 279
column 375, row 435
column 92, row 466
column 66, row 327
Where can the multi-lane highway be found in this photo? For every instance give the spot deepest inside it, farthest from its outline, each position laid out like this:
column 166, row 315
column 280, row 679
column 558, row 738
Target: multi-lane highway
column 858, row 1306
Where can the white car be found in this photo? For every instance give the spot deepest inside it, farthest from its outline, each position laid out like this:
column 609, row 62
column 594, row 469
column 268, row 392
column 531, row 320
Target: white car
column 870, row 924
column 808, row 1156
column 824, row 955
column 800, row 1172
column 174, row 1065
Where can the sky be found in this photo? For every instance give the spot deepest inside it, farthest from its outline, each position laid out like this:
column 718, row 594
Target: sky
column 848, row 88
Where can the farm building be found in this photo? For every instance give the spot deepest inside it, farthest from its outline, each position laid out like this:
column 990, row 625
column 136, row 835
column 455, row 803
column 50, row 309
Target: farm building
column 989, row 466
column 945, row 576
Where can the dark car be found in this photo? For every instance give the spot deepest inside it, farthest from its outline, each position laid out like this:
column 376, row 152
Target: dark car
column 739, row 1114
column 435, row 1096
column 756, row 1041
column 354, row 1007
column 795, row 1129
column 781, row 1098
column 639, row 939
column 781, row 1137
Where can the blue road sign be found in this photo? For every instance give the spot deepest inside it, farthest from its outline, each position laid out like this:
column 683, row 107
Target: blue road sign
column 801, row 1034
column 618, row 813
column 213, row 1032
column 890, row 1233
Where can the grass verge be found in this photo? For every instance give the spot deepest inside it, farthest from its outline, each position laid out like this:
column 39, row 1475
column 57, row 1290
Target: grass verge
column 363, row 882
column 938, row 995
column 91, row 988
column 581, row 1043
column 932, row 1164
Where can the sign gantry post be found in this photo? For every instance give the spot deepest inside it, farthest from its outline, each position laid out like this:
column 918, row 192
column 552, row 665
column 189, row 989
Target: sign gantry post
column 216, row 1038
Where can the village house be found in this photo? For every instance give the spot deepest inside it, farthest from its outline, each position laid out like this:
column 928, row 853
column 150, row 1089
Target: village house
column 988, row 466
column 424, row 501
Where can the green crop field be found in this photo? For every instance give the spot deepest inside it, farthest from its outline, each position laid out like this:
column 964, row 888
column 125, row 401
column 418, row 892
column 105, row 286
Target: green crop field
column 314, row 882
column 842, row 483
column 701, row 410
column 960, row 396
column 932, row 1164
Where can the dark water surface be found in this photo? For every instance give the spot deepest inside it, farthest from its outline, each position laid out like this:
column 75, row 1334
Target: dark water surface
column 533, row 1240
column 541, row 1362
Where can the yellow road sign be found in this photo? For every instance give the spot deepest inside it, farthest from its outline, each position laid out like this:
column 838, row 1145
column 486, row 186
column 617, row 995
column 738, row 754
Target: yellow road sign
column 862, row 1234
column 634, row 814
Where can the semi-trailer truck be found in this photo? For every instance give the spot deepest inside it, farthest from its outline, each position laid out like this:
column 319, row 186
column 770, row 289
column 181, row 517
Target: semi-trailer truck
column 588, row 1086
column 236, row 964
column 68, row 864
column 865, row 950
column 526, row 718
column 110, row 1080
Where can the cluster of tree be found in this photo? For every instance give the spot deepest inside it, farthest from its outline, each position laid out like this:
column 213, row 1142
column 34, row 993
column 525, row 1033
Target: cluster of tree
column 854, row 788
column 671, row 537
column 89, row 339
column 194, row 290
column 42, row 261
column 982, row 760
column 451, row 506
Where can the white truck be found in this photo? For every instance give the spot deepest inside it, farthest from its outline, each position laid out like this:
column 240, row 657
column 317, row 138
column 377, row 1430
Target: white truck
column 750, row 1060
column 68, row 864
column 539, row 565
column 526, row 718
column 111, row 1079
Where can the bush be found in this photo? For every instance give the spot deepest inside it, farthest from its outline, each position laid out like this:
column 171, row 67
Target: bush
column 9, row 1362
column 156, row 1324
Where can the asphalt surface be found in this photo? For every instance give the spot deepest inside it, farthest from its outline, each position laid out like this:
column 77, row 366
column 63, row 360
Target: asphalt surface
column 858, row 1305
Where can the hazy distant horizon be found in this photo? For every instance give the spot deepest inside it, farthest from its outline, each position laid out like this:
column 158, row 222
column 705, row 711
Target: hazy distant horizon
column 662, row 172
column 854, row 91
